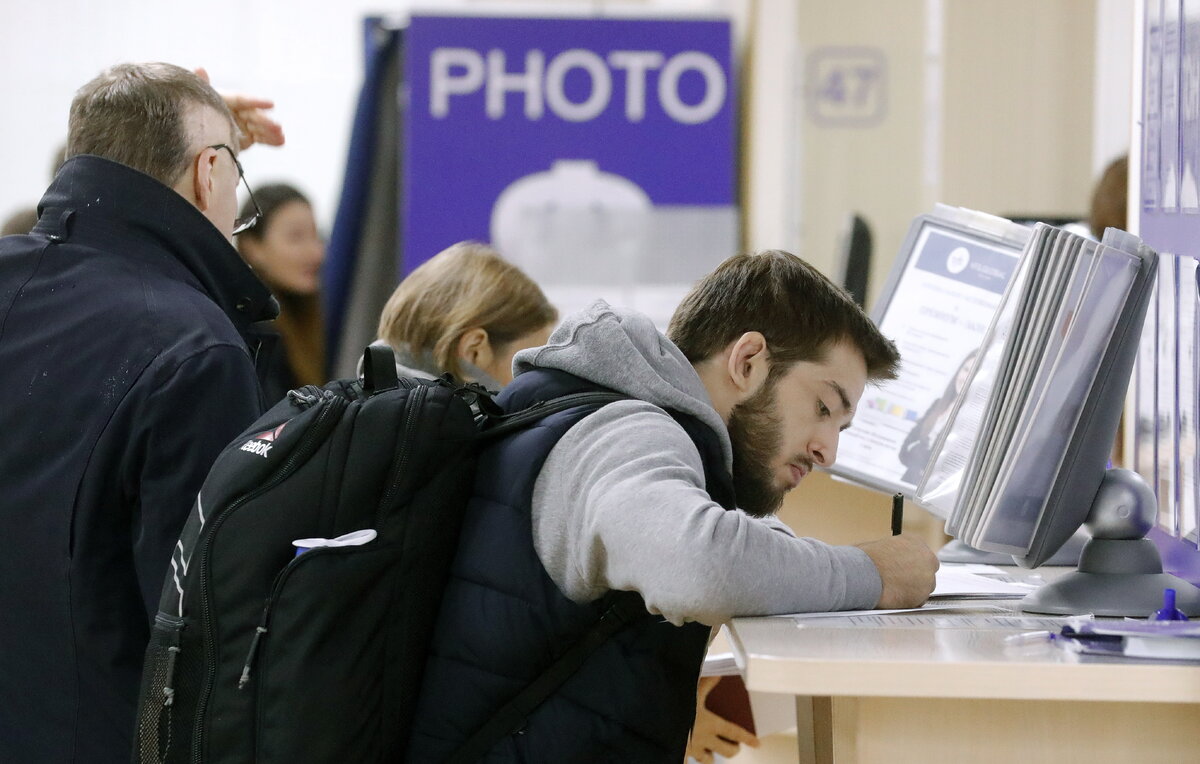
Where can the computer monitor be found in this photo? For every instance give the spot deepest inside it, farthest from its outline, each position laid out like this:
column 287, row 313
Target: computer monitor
column 1038, row 450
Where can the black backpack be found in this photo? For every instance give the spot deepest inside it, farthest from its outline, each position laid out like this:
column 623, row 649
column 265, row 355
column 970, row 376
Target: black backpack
column 264, row 653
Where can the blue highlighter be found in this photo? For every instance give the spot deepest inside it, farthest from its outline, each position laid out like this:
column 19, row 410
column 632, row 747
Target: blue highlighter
column 1168, row 612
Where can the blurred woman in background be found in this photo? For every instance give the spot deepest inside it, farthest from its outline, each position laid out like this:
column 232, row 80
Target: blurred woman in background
column 286, row 252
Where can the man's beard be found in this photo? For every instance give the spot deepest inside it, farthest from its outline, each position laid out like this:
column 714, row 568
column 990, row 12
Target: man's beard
column 755, row 432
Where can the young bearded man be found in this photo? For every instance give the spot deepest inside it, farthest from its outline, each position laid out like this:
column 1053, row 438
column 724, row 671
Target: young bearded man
column 668, row 497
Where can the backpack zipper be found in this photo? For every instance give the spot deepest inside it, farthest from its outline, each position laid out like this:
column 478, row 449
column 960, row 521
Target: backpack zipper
column 315, row 435
column 411, row 406
column 264, row 622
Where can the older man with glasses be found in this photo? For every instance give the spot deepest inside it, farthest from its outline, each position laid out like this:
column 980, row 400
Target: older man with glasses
column 127, row 351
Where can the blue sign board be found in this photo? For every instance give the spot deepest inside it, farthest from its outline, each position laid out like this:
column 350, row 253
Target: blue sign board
column 642, row 110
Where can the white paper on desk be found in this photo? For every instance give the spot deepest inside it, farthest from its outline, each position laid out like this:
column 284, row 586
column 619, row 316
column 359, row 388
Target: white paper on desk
column 955, row 582
column 988, row 617
column 927, row 608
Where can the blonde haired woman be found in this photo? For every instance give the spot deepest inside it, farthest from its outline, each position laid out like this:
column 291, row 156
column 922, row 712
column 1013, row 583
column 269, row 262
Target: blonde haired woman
column 465, row 311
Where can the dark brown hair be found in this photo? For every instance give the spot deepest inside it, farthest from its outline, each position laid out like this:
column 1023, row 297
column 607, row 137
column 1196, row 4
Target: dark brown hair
column 270, row 198
column 799, row 311
column 136, row 114
column 1109, row 199
column 301, row 323
column 465, row 286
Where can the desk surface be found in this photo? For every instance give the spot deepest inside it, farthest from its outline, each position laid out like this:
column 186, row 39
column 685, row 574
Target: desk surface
column 944, row 658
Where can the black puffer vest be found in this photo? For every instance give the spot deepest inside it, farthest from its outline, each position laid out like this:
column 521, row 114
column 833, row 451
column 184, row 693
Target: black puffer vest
column 503, row 620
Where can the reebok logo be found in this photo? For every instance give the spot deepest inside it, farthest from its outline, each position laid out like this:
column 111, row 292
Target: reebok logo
column 256, row 447
column 261, row 443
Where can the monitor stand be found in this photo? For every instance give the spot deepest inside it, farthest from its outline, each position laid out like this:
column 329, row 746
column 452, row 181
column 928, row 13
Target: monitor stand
column 1120, row 571
column 956, row 551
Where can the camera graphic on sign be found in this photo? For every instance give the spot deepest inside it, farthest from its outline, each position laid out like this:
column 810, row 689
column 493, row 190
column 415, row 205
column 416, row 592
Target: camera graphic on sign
column 573, row 224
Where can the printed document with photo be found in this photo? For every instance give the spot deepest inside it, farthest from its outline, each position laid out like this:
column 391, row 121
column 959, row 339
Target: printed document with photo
column 940, row 299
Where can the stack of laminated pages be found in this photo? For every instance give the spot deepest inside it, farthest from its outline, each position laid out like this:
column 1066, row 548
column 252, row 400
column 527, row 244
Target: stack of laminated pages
column 1032, row 430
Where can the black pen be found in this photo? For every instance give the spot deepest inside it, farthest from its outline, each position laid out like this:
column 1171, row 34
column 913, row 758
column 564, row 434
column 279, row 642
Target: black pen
column 897, row 513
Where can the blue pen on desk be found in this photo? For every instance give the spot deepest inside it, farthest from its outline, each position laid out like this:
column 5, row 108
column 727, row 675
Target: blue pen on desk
column 897, row 513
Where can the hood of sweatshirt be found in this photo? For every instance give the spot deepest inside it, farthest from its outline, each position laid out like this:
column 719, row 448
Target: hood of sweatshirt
column 623, row 350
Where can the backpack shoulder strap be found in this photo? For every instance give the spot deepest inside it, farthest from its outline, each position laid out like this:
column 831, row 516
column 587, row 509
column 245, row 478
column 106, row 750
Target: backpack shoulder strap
column 623, row 607
column 499, row 426
column 511, row 717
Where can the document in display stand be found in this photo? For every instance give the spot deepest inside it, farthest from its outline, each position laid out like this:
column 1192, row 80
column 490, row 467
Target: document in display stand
column 1069, row 373
column 947, row 281
column 1033, row 326
column 1042, row 360
column 953, row 449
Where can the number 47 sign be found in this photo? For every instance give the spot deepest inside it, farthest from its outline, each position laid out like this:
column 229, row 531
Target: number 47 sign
column 846, row 86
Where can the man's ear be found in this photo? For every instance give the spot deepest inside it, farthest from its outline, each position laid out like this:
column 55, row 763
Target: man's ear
column 474, row 346
column 203, row 182
column 748, row 364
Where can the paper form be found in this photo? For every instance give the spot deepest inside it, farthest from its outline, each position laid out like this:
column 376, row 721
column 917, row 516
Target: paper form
column 920, row 620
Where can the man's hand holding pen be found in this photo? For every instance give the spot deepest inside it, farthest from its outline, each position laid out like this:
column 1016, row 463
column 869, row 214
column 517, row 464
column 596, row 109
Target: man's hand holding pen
column 906, row 565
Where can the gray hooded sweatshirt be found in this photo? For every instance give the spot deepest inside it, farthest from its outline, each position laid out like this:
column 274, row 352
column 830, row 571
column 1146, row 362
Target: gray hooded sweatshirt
column 620, row 502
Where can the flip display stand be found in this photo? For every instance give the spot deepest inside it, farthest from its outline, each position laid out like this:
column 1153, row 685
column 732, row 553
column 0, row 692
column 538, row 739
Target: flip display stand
column 1120, row 571
column 956, row 551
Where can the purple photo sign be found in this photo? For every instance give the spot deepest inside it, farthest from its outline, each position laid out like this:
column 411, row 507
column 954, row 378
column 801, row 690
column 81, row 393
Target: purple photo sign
column 582, row 148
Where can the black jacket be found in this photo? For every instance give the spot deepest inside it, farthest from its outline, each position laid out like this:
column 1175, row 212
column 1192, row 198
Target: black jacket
column 126, row 365
column 275, row 374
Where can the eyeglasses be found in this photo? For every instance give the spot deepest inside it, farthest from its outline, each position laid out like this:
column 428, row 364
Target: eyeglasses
column 247, row 222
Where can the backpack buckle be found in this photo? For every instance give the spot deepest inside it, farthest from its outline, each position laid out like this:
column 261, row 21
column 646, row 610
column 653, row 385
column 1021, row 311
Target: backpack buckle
column 479, row 398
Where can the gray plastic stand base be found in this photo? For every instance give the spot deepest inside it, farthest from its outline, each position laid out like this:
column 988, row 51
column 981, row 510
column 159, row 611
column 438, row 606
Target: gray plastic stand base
column 957, row 551
column 1116, row 577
